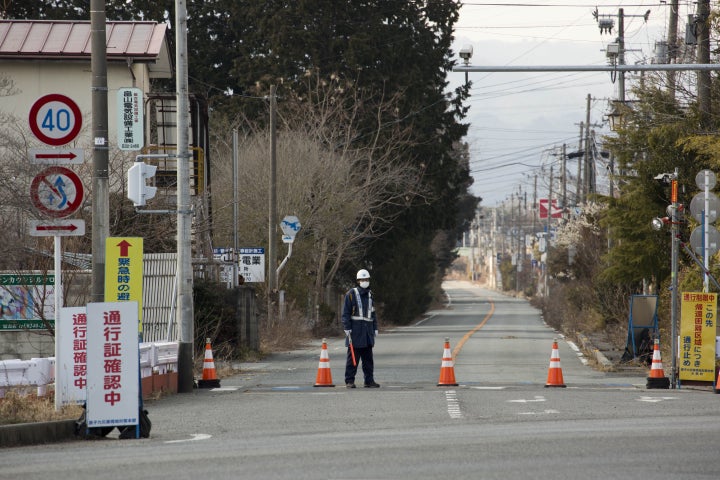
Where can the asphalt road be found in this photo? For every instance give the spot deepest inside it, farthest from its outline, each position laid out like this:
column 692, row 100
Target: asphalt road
column 500, row 422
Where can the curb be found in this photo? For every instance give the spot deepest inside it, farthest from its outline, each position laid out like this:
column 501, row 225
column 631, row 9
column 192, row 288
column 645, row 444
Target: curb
column 36, row 433
column 589, row 347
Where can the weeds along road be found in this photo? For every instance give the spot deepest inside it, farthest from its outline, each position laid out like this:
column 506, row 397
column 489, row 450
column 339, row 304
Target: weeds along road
column 500, row 422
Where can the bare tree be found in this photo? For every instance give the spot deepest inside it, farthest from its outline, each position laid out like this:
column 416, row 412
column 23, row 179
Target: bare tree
column 339, row 178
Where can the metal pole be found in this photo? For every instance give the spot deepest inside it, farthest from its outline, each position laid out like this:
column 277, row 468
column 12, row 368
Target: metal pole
column 101, row 195
column 58, row 298
column 675, row 229
column 236, row 199
column 184, row 213
column 706, row 232
column 700, row 67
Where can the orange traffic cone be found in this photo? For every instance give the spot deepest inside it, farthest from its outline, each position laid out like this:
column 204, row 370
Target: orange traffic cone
column 717, row 383
column 657, row 377
column 555, row 376
column 209, row 377
column 447, row 370
column 324, row 374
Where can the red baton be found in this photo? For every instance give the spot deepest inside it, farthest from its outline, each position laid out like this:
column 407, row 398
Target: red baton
column 352, row 352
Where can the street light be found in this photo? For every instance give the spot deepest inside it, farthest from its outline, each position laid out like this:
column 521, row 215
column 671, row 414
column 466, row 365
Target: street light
column 659, row 222
column 466, row 53
column 674, row 211
column 618, row 113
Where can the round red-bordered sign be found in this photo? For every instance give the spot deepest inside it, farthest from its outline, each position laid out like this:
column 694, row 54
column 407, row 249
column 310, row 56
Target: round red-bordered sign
column 56, row 192
column 55, row 119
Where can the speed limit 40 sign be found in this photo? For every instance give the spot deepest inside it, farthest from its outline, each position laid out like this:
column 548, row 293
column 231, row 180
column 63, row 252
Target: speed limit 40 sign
column 55, row 119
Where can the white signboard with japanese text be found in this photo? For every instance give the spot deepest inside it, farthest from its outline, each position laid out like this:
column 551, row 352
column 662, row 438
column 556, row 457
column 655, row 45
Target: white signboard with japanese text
column 112, row 364
column 251, row 264
column 71, row 356
column 130, row 119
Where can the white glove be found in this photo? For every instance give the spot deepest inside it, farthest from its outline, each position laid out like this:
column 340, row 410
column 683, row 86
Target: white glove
column 348, row 332
column 376, row 333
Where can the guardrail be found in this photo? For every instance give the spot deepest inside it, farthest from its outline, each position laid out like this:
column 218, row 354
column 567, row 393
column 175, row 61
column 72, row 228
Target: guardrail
column 156, row 358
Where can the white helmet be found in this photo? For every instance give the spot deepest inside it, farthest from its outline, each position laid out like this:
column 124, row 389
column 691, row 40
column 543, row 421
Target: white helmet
column 363, row 275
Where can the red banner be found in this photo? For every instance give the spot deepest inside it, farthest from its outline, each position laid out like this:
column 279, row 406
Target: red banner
column 543, row 209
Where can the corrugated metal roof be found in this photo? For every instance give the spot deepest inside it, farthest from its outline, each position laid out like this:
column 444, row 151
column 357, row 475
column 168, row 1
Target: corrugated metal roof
column 43, row 39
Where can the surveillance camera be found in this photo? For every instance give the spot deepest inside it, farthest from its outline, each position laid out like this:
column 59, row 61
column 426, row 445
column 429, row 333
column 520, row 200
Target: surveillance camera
column 664, row 178
column 466, row 53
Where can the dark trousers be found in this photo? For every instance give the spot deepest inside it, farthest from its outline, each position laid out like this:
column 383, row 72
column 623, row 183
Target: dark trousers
column 364, row 355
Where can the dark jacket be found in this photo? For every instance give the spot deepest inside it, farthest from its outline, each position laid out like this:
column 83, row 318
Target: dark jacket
column 361, row 321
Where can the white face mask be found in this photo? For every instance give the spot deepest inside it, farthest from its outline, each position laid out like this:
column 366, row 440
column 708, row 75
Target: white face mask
column 364, row 284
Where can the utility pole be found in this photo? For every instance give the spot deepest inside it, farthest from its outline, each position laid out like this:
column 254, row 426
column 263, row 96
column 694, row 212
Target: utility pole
column 272, row 215
column 563, row 176
column 621, row 55
column 535, row 204
column 586, row 180
column 580, row 183
column 184, row 313
column 101, row 195
column 672, row 44
column 547, row 235
column 703, row 56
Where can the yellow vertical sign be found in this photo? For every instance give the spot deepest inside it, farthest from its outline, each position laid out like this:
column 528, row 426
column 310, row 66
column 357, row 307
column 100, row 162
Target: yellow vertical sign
column 124, row 271
column 697, row 336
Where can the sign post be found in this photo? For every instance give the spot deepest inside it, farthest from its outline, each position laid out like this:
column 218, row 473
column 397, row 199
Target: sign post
column 57, row 191
column 290, row 225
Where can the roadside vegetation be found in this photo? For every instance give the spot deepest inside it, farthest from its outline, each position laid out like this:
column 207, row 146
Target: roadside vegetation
column 609, row 250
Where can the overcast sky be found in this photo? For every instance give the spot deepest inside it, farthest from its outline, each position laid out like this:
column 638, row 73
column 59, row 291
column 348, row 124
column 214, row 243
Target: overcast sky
column 519, row 119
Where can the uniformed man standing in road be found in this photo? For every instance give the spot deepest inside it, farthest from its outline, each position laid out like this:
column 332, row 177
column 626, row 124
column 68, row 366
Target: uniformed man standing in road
column 360, row 325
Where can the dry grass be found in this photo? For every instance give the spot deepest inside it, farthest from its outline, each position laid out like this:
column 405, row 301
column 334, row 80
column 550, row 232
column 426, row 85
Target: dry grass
column 19, row 408
column 291, row 333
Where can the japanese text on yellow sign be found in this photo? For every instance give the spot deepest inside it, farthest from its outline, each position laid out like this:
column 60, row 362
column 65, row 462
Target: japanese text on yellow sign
column 124, row 271
column 697, row 336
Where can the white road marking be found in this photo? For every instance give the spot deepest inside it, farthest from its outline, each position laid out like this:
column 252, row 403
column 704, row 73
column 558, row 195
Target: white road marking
column 195, row 437
column 655, row 399
column 538, row 398
column 453, row 406
column 546, row 412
